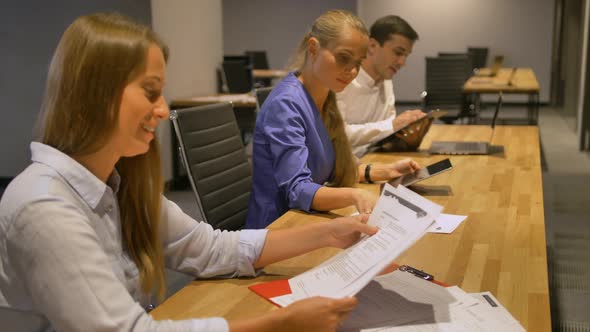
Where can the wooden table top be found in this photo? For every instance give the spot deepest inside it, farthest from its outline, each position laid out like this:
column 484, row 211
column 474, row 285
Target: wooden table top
column 500, row 248
column 238, row 99
column 269, row 73
column 523, row 81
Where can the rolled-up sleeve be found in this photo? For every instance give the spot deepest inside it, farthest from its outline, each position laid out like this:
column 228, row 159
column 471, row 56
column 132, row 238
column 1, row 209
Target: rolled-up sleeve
column 287, row 139
column 196, row 248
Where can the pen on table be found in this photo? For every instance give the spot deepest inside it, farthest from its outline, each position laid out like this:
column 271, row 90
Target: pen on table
column 417, row 273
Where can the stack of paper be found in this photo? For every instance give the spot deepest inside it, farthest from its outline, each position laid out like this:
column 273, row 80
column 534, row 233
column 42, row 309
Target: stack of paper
column 398, row 301
column 402, row 217
column 401, row 302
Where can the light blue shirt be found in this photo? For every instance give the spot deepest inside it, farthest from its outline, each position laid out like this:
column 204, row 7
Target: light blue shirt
column 62, row 255
column 292, row 156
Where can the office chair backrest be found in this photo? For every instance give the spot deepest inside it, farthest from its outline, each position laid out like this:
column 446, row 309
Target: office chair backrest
column 261, row 95
column 246, row 59
column 445, row 77
column 467, row 56
column 258, row 59
column 214, row 157
column 237, row 76
column 444, row 54
column 479, row 55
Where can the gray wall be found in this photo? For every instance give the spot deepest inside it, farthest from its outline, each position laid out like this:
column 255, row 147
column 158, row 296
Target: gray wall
column 29, row 31
column 520, row 30
column 192, row 30
column 276, row 26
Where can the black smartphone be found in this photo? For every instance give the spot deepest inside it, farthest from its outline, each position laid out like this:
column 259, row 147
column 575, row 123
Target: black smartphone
column 424, row 173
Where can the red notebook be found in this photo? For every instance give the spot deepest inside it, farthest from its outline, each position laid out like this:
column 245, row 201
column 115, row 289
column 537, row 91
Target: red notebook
column 271, row 289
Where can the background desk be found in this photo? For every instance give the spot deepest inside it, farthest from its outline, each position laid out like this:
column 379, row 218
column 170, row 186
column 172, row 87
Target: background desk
column 239, row 100
column 500, row 247
column 269, row 73
column 523, row 81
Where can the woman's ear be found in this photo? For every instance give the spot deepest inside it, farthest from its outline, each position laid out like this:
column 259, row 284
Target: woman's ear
column 313, row 47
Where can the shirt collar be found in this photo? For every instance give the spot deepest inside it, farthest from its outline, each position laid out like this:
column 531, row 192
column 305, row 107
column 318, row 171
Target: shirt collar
column 365, row 79
column 84, row 182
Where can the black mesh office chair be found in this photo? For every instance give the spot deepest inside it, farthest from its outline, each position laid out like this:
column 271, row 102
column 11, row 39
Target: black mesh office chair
column 259, row 60
column 214, row 157
column 445, row 77
column 246, row 59
column 237, row 76
column 479, row 55
column 444, row 54
column 468, row 56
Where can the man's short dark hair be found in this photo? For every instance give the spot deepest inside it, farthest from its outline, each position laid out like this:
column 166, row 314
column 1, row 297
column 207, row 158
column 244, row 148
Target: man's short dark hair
column 388, row 25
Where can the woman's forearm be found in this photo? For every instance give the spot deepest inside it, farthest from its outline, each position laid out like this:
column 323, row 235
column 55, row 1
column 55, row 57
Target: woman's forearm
column 326, row 198
column 286, row 243
column 272, row 321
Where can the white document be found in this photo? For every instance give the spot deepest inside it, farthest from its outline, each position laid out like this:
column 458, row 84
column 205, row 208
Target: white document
column 399, row 298
column 402, row 217
column 493, row 313
column 446, row 223
column 484, row 314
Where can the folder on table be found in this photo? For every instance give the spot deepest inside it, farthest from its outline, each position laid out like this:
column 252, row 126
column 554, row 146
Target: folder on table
column 273, row 290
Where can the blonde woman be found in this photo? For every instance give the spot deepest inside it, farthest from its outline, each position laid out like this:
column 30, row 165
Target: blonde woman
column 300, row 143
column 85, row 232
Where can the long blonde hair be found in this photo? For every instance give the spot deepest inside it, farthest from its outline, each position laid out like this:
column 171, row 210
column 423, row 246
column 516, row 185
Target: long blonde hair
column 327, row 29
column 97, row 56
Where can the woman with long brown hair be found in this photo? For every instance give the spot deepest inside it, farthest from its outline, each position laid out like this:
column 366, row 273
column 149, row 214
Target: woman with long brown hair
column 85, row 232
column 300, row 144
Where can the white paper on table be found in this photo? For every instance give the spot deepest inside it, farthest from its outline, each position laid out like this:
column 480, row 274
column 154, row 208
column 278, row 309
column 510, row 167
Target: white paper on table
column 494, row 311
column 465, row 315
column 446, row 223
column 282, row 300
column 402, row 217
column 399, row 298
column 464, row 299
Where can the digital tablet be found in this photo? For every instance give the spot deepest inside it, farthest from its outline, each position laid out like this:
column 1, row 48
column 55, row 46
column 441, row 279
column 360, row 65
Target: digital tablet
column 424, row 173
column 410, row 136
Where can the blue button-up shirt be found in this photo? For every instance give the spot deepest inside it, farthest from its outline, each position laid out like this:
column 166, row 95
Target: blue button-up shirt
column 292, row 157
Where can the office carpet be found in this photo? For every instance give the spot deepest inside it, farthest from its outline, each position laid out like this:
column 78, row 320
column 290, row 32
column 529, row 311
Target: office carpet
column 566, row 189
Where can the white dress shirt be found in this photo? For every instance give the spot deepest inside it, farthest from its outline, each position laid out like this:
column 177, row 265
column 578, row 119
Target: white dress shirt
column 62, row 255
column 368, row 110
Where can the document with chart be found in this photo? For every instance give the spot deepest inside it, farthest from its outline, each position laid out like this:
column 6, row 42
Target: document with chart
column 402, row 217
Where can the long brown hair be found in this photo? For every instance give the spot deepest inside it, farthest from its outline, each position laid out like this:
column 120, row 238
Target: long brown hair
column 97, row 56
column 326, row 29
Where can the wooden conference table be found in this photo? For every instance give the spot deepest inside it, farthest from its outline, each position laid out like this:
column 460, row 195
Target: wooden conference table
column 507, row 81
column 499, row 248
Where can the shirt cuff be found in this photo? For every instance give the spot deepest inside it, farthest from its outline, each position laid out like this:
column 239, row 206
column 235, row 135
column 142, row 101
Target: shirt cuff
column 249, row 249
column 216, row 324
column 305, row 197
column 388, row 125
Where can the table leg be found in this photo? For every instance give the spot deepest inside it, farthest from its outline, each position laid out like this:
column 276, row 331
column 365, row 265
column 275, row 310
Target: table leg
column 533, row 109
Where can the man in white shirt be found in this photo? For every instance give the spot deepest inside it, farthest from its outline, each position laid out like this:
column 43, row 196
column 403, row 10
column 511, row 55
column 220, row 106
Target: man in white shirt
column 368, row 103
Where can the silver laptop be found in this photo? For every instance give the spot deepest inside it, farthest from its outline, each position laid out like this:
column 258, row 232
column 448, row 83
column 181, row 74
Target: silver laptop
column 450, row 147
